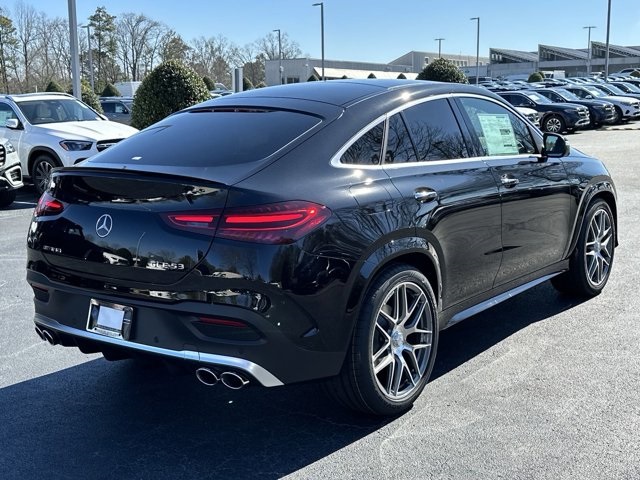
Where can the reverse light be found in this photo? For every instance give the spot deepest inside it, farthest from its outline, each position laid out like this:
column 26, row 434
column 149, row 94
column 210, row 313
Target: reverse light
column 47, row 205
column 75, row 145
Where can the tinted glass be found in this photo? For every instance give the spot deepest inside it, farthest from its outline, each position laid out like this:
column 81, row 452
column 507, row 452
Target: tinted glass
column 108, row 107
column 435, row 131
column 212, row 138
column 399, row 146
column 500, row 132
column 367, row 149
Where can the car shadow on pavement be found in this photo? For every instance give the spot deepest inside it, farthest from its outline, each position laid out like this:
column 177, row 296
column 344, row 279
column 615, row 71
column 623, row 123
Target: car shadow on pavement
column 121, row 420
column 465, row 340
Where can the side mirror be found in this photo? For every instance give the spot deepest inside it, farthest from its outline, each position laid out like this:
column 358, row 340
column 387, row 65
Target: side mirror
column 12, row 123
column 555, row 146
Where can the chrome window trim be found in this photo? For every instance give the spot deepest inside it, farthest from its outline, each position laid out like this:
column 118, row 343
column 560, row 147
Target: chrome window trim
column 335, row 160
column 266, row 378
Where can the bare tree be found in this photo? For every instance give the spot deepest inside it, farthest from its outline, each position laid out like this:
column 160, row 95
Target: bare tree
column 134, row 34
column 251, row 60
column 212, row 57
column 268, row 45
column 27, row 33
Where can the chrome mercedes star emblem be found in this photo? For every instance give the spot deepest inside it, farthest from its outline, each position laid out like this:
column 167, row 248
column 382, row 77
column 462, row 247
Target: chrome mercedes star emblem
column 104, row 225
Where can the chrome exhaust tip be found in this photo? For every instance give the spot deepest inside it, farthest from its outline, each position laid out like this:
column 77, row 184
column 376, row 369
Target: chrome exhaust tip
column 49, row 337
column 207, row 376
column 233, row 381
column 40, row 333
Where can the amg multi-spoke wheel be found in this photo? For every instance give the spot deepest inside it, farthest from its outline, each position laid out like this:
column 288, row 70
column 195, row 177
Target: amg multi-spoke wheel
column 401, row 342
column 591, row 263
column 394, row 345
column 554, row 124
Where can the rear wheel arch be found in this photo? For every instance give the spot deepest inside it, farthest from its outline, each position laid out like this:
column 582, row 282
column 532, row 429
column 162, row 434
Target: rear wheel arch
column 425, row 260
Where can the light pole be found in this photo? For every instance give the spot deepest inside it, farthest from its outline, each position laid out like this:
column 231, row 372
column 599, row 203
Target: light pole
column 477, row 50
column 88, row 27
column 439, row 40
column 73, row 37
column 606, row 58
column 321, row 5
column 589, row 46
column 279, row 54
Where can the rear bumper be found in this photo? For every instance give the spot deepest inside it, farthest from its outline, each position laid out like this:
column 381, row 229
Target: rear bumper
column 263, row 349
column 263, row 376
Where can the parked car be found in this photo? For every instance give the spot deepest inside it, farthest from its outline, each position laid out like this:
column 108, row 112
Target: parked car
column 554, row 117
column 530, row 114
column 320, row 230
column 610, row 89
column 10, row 173
column 117, row 109
column 49, row 130
column 626, row 87
column 626, row 108
column 600, row 111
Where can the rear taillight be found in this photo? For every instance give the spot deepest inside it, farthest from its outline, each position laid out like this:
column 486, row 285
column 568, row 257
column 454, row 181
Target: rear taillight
column 47, row 205
column 277, row 223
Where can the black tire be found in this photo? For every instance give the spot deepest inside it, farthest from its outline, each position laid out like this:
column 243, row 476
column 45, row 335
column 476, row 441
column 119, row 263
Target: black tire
column 618, row 118
column 554, row 124
column 591, row 262
column 41, row 171
column 380, row 343
column 7, row 197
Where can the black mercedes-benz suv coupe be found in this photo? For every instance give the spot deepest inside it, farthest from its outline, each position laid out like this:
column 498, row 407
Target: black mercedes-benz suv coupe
column 326, row 230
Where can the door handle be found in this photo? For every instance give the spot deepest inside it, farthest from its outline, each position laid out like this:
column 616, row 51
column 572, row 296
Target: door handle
column 424, row 195
column 509, row 182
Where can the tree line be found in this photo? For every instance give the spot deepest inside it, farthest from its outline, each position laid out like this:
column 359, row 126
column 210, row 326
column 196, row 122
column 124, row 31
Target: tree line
column 35, row 50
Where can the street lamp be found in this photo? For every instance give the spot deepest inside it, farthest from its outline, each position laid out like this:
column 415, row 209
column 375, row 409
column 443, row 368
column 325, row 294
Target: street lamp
column 279, row 54
column 439, row 40
column 73, row 40
column 321, row 5
column 88, row 27
column 589, row 46
column 477, row 50
column 606, row 58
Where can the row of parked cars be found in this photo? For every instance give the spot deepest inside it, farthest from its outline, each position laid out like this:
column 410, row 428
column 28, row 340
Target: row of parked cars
column 566, row 105
column 41, row 131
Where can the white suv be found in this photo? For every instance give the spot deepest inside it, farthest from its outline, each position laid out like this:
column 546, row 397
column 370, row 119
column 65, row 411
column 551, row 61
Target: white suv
column 54, row 129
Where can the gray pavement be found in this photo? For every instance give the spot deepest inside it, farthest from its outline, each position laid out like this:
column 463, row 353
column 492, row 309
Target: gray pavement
column 539, row 387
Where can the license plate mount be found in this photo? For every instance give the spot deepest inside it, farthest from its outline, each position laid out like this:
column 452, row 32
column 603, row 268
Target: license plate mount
column 109, row 319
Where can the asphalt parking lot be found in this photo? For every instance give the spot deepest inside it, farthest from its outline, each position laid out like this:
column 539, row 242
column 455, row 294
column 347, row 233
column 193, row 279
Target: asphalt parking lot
column 539, row 387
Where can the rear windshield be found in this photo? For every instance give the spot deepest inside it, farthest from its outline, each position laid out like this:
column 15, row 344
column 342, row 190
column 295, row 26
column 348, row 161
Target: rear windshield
column 212, row 137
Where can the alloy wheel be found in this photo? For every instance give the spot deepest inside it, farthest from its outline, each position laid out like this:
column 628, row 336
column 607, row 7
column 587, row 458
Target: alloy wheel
column 599, row 248
column 41, row 175
column 553, row 125
column 402, row 341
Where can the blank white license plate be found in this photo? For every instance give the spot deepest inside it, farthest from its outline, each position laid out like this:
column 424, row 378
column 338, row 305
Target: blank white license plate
column 109, row 319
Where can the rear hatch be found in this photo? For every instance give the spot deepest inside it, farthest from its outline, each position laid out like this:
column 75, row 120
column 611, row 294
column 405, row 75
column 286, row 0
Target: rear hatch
column 126, row 225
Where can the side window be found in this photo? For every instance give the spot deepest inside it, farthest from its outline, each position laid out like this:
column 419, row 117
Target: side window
column 120, row 108
column 435, row 131
column 107, row 107
column 367, row 149
column 6, row 113
column 500, row 132
column 399, row 146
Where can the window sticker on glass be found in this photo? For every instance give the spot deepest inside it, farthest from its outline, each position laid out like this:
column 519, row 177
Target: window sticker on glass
column 499, row 137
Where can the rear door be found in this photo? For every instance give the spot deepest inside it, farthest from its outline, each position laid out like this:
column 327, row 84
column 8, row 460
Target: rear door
column 450, row 199
column 535, row 193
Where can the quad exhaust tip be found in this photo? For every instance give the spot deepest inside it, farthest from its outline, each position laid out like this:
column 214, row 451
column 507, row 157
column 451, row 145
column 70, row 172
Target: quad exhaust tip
column 46, row 335
column 231, row 380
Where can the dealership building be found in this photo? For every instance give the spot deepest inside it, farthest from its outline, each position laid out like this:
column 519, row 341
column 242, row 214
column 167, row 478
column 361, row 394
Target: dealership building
column 500, row 63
